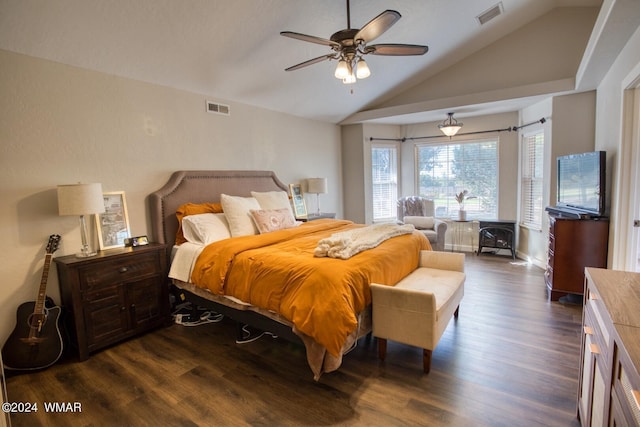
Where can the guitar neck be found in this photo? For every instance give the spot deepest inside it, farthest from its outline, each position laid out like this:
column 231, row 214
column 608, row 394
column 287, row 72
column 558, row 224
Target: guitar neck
column 42, row 291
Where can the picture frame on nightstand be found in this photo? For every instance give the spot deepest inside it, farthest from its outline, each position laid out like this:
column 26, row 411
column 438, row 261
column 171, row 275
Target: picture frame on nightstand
column 297, row 200
column 113, row 223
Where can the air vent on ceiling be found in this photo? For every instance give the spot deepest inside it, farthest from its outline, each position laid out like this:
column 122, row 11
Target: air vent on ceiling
column 217, row 108
column 490, row 13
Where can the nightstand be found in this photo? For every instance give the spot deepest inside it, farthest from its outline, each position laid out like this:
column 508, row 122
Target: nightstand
column 311, row 217
column 114, row 295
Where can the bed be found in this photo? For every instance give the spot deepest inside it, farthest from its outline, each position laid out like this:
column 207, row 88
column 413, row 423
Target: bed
column 252, row 279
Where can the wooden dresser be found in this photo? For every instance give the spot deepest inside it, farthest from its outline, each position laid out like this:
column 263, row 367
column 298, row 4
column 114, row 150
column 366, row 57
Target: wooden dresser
column 114, row 295
column 609, row 390
column 573, row 245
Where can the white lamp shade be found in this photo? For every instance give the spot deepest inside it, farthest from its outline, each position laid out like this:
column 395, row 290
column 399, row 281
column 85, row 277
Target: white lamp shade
column 362, row 70
column 80, row 199
column 342, row 70
column 450, row 130
column 317, row 185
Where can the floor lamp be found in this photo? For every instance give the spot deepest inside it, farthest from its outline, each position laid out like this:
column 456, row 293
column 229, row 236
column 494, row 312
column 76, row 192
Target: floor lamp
column 81, row 200
column 317, row 186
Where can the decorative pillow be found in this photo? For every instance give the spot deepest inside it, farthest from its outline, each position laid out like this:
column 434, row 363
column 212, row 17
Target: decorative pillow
column 236, row 210
column 205, row 228
column 272, row 220
column 193, row 209
column 271, row 200
column 420, row 222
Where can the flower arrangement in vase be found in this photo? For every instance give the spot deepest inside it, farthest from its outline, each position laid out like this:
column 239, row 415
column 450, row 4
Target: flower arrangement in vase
column 460, row 198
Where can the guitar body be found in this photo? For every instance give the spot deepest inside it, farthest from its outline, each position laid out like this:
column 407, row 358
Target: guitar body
column 36, row 343
column 26, row 351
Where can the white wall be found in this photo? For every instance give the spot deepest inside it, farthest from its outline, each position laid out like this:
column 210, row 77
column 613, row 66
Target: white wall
column 353, row 171
column 60, row 125
column 623, row 74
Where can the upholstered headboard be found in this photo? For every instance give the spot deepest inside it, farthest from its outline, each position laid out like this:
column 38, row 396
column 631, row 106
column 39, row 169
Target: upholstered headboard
column 200, row 187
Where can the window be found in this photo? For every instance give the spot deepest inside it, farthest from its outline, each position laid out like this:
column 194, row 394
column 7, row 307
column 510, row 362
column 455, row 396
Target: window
column 531, row 180
column 445, row 170
column 384, row 180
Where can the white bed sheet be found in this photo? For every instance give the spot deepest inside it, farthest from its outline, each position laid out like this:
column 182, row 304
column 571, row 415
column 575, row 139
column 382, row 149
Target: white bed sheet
column 183, row 258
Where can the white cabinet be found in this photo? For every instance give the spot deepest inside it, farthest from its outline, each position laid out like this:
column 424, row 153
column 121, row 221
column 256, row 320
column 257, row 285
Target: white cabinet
column 609, row 392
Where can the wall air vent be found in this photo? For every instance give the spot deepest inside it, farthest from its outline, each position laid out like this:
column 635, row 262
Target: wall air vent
column 490, row 13
column 217, row 108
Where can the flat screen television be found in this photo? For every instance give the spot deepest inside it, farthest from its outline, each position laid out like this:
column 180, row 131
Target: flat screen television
column 581, row 183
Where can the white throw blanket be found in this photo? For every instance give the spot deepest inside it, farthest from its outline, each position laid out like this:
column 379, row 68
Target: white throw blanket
column 346, row 244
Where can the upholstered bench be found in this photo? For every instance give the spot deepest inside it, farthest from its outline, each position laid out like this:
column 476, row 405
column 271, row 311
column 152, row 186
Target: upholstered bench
column 417, row 309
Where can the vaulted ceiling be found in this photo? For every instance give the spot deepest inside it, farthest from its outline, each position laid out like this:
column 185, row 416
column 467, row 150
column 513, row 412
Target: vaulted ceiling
column 231, row 51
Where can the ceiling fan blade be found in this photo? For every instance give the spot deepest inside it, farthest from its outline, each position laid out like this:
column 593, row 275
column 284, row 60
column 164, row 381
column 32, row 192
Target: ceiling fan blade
column 311, row 39
column 397, row 49
column 378, row 25
column 311, row 62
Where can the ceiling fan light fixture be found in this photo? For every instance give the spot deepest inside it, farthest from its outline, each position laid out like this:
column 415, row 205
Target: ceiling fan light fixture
column 362, row 69
column 351, row 78
column 350, row 44
column 342, row 70
column 450, row 126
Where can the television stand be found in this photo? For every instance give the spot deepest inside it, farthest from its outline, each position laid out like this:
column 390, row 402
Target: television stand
column 574, row 244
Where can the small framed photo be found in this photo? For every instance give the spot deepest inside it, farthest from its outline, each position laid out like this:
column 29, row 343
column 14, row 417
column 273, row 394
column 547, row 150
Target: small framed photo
column 297, row 199
column 113, row 224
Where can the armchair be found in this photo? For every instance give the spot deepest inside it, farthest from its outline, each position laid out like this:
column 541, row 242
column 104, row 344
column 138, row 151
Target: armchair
column 421, row 213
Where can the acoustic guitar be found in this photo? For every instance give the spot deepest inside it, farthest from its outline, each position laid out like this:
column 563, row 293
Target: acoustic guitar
column 36, row 343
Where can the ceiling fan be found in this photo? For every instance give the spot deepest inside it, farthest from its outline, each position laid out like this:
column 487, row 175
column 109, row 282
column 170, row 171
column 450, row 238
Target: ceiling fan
column 350, row 46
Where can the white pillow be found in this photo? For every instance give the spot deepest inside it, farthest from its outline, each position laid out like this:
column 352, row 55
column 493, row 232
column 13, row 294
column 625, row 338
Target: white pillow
column 236, row 210
column 272, row 200
column 205, row 228
column 420, row 222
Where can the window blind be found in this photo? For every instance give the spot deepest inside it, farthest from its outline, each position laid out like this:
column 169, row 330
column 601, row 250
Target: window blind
column 532, row 180
column 446, row 169
column 384, row 177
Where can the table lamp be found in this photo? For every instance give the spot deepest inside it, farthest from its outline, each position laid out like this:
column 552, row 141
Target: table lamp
column 317, row 186
column 81, row 200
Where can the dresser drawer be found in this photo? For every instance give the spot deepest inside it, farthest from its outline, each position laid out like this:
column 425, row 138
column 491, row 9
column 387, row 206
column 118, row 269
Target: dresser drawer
column 118, row 270
column 626, row 381
column 594, row 307
column 596, row 333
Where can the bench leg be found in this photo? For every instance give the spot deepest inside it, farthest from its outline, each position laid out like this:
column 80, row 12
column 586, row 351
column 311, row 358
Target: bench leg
column 382, row 348
column 426, row 360
column 455, row 313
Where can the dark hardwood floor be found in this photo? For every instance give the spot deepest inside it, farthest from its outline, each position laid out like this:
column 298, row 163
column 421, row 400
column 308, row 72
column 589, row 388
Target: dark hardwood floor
column 511, row 359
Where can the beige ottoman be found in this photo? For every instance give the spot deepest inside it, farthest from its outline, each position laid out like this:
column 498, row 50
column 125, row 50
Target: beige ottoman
column 417, row 309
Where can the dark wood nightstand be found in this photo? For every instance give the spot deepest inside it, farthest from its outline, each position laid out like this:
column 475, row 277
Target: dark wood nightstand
column 113, row 295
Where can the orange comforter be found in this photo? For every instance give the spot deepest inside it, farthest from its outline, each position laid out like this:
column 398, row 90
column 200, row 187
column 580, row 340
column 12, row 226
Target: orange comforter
column 320, row 296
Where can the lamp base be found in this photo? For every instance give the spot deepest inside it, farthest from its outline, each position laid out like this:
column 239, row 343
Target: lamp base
column 86, row 252
column 86, row 255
